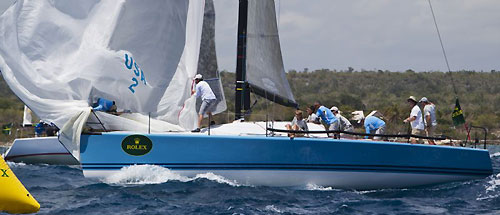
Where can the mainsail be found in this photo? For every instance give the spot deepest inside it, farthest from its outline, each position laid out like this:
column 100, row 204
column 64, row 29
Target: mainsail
column 264, row 64
column 59, row 56
column 207, row 64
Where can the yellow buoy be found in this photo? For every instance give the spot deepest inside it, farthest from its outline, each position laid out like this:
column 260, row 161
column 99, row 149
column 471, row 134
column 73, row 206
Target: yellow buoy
column 14, row 198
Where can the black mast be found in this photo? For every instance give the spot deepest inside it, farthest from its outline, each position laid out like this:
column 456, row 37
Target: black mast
column 242, row 94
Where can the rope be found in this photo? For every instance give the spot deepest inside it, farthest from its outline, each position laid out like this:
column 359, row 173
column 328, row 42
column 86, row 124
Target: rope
column 442, row 48
column 357, row 134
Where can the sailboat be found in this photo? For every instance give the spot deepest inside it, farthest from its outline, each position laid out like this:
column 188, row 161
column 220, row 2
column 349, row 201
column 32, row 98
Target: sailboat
column 38, row 150
column 126, row 65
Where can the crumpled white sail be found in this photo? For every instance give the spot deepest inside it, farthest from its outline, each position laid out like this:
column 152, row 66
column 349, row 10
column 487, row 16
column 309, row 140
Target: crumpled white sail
column 59, row 56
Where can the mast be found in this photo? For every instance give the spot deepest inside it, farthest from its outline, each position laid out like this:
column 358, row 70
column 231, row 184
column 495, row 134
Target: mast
column 242, row 91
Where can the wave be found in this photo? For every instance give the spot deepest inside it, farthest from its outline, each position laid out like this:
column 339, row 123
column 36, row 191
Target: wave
column 151, row 174
column 317, row 187
column 493, row 183
column 14, row 164
column 496, row 154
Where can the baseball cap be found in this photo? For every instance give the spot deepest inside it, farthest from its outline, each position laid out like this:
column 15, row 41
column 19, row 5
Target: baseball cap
column 198, row 76
column 424, row 99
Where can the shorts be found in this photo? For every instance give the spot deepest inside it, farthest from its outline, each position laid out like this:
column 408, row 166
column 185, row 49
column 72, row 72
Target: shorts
column 208, row 106
column 417, row 132
column 333, row 127
column 380, row 130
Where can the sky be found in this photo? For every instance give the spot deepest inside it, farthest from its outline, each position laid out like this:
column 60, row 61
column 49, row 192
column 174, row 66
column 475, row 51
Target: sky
column 393, row 35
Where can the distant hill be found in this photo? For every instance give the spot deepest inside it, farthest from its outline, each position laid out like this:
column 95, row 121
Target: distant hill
column 479, row 94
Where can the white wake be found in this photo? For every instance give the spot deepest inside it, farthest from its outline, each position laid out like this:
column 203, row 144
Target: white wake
column 151, row 174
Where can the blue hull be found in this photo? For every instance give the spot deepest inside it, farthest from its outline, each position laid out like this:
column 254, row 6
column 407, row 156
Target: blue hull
column 273, row 160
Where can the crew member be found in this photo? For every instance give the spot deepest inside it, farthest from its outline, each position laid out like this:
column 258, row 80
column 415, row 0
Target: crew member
column 374, row 125
column 430, row 118
column 415, row 119
column 327, row 116
column 298, row 124
column 104, row 105
column 209, row 101
column 344, row 123
column 312, row 117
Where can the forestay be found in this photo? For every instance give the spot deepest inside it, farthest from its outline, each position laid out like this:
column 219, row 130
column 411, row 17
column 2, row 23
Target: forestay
column 265, row 72
column 59, row 56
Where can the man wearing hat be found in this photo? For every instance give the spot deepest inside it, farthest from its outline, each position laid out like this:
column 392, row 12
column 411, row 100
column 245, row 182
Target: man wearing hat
column 209, row 101
column 415, row 119
column 344, row 124
column 430, row 118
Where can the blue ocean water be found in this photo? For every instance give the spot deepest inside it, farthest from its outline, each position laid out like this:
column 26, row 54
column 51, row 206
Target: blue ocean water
column 156, row 190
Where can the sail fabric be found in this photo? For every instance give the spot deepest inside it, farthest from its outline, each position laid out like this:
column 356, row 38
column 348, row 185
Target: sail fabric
column 264, row 68
column 27, row 118
column 207, row 63
column 60, row 56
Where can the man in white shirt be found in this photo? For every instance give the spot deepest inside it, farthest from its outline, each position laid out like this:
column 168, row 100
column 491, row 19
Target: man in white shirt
column 312, row 117
column 430, row 118
column 415, row 119
column 209, row 101
column 344, row 123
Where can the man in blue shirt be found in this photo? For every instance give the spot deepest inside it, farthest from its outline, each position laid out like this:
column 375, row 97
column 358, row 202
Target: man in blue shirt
column 374, row 125
column 332, row 123
column 104, row 105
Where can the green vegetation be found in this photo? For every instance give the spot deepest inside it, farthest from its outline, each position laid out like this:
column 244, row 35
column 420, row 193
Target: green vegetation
column 479, row 94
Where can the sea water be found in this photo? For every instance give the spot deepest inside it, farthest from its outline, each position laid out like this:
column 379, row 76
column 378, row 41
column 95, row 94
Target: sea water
column 157, row 190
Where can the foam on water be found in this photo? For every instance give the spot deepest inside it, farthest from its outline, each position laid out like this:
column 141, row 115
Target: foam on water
column 317, row 187
column 144, row 174
column 493, row 183
column 15, row 164
column 217, row 178
column 151, row 174
column 496, row 154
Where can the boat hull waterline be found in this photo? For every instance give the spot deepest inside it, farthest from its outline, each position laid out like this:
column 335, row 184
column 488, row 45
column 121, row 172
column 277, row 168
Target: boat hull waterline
column 281, row 161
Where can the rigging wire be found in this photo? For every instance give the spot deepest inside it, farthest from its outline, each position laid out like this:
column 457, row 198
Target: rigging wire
column 442, row 48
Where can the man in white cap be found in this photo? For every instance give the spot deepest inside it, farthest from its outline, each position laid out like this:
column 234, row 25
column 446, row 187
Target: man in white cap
column 209, row 101
column 430, row 118
column 415, row 119
column 344, row 124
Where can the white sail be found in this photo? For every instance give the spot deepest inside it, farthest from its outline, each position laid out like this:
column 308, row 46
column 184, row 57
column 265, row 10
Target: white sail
column 27, row 118
column 59, row 56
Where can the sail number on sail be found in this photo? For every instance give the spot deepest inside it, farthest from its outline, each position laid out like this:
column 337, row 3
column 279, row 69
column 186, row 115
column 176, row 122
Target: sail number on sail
column 131, row 64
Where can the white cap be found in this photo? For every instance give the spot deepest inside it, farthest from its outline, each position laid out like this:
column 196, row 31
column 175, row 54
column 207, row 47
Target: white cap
column 334, row 109
column 424, row 99
column 198, row 76
column 358, row 115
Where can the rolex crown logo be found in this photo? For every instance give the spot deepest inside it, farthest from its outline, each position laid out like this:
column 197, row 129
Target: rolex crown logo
column 137, row 140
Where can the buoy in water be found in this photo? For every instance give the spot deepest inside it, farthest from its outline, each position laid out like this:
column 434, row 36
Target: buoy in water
column 14, row 198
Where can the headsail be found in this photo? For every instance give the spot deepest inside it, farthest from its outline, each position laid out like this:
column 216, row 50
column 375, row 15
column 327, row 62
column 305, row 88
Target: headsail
column 59, row 56
column 264, row 64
